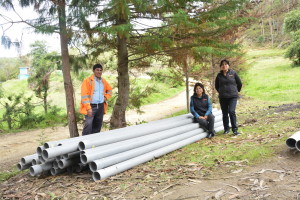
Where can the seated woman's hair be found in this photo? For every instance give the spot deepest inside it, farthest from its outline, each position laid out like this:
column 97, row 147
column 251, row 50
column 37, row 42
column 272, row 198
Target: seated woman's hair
column 201, row 85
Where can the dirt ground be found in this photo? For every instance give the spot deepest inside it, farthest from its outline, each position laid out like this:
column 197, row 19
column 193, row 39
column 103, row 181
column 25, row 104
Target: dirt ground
column 275, row 178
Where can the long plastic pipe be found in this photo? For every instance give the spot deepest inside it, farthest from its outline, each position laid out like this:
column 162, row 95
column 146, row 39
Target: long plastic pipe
column 60, row 150
column 114, row 148
column 64, row 163
column 114, row 169
column 28, row 159
column 51, row 144
column 85, row 144
column 120, row 167
column 38, row 169
column 291, row 141
column 110, row 149
column 21, row 167
column 117, row 158
column 154, row 136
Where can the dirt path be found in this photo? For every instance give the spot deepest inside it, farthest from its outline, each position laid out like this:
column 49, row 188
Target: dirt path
column 14, row 146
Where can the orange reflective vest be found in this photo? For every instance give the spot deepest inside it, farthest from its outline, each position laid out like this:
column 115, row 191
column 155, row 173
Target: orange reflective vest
column 87, row 91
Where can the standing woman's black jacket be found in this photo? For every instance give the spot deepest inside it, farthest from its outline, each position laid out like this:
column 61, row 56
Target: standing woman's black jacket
column 228, row 86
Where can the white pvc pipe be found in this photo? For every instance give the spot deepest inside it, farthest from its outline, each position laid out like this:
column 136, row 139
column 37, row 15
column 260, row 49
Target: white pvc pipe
column 114, row 148
column 60, row 150
column 28, row 159
column 51, row 144
column 86, row 144
column 22, row 167
column 125, row 155
column 38, row 169
column 64, row 163
column 291, row 141
column 56, row 171
column 36, row 161
column 39, row 150
column 120, row 167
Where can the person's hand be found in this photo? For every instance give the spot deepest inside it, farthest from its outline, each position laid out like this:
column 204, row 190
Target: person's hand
column 90, row 112
column 201, row 117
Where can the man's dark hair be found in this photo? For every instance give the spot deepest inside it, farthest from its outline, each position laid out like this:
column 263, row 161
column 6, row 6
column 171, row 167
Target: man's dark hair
column 97, row 66
column 224, row 61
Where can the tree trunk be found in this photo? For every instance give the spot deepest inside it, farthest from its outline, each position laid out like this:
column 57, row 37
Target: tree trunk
column 186, row 71
column 66, row 70
column 118, row 119
column 45, row 101
column 271, row 31
column 213, row 92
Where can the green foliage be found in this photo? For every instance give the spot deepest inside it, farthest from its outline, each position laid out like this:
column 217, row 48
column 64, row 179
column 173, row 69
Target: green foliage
column 292, row 21
column 43, row 64
column 292, row 25
column 9, row 68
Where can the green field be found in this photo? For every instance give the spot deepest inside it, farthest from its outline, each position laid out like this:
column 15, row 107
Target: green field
column 271, row 78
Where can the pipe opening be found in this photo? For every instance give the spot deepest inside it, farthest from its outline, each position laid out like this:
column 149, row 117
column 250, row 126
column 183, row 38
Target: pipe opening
column 45, row 155
column 23, row 161
column 96, row 176
column 31, row 171
column 83, row 159
column 19, row 166
column 93, row 166
column 291, row 143
column 39, row 150
column 81, row 146
column 53, row 171
column 46, row 146
column 61, row 164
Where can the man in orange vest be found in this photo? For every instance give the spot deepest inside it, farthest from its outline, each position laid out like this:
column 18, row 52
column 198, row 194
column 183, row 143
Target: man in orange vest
column 95, row 91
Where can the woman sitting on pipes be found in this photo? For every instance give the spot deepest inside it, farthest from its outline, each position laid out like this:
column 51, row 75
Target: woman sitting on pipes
column 201, row 108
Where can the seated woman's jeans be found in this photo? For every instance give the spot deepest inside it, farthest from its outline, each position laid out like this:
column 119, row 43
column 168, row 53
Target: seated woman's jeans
column 207, row 125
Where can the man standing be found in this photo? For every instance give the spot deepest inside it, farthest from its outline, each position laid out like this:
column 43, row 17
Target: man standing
column 95, row 91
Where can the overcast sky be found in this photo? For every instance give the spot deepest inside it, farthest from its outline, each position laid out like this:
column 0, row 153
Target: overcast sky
column 23, row 33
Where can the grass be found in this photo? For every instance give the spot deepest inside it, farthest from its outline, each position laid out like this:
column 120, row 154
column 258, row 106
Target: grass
column 272, row 79
column 5, row 175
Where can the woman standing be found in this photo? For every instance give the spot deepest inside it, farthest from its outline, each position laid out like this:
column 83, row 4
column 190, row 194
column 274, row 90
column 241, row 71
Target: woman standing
column 228, row 84
column 201, row 108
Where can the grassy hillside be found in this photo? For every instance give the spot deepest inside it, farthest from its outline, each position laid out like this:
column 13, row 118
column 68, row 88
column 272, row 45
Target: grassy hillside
column 271, row 77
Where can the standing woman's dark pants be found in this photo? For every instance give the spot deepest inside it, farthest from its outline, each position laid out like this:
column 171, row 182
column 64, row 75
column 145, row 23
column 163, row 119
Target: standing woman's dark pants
column 228, row 106
column 207, row 125
column 93, row 124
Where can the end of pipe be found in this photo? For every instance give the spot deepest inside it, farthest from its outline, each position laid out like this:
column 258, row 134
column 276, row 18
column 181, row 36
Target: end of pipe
column 45, row 154
column 83, row 159
column 81, row 146
column 53, row 171
column 19, row 166
column 96, row 176
column 298, row 145
column 23, row 161
column 39, row 150
column 61, row 164
column 93, row 166
column 291, row 143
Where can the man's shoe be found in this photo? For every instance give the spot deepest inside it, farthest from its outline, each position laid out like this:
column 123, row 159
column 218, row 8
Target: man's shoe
column 226, row 131
column 236, row 133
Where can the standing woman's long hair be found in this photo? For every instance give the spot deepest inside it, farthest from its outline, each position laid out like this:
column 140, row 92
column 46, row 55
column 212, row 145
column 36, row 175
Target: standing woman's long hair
column 201, row 85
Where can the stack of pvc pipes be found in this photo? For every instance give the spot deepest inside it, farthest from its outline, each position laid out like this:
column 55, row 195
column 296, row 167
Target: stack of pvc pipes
column 293, row 142
column 111, row 152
